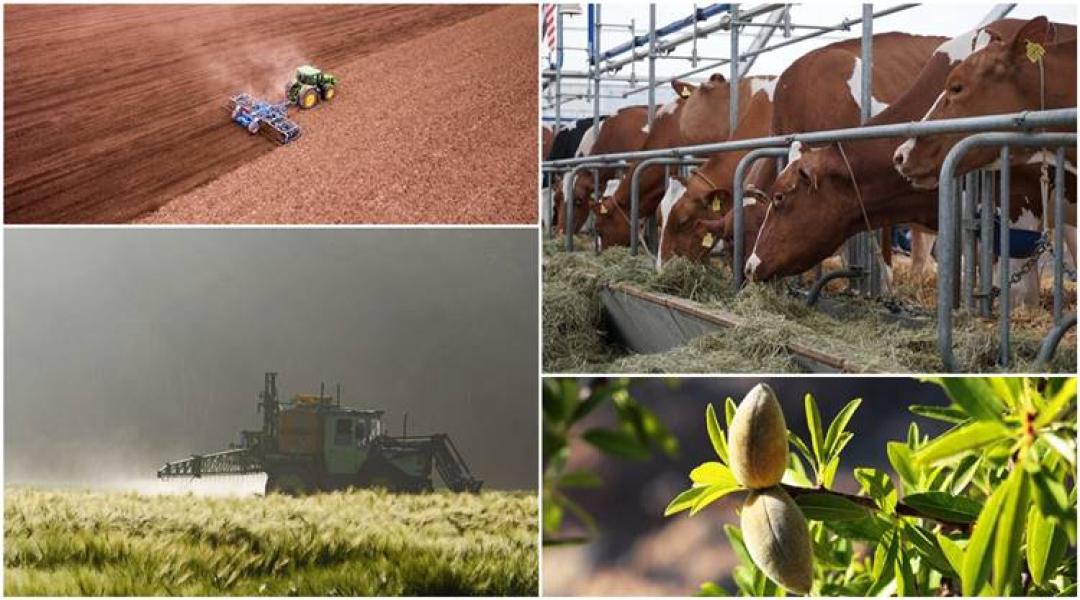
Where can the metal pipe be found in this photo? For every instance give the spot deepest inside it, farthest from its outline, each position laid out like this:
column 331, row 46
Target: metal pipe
column 1021, row 121
column 739, row 251
column 967, row 239
column 733, row 82
column 672, row 43
column 1059, row 234
column 819, row 285
column 763, row 36
column 1004, row 254
column 635, row 190
column 998, row 12
column 986, row 245
column 652, row 63
column 842, row 26
column 596, row 106
column 947, row 217
column 1050, row 342
column 558, row 64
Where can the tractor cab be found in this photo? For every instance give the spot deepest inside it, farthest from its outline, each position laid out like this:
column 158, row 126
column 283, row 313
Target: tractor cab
column 308, row 74
column 309, row 86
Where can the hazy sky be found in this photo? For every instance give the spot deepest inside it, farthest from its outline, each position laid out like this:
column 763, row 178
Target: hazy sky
column 946, row 19
column 128, row 347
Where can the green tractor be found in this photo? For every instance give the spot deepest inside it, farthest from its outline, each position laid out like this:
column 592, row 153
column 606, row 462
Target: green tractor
column 311, row 443
column 309, row 86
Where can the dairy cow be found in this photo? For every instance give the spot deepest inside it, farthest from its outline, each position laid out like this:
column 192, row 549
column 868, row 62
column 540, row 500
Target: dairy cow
column 820, row 90
column 843, row 188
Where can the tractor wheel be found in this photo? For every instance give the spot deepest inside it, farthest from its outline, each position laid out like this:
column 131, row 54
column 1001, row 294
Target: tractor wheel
column 328, row 92
column 308, row 98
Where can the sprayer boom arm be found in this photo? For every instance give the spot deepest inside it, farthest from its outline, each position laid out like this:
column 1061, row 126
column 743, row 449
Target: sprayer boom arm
column 240, row 461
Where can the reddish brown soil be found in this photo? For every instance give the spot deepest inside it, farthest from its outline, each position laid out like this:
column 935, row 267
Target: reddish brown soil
column 112, row 111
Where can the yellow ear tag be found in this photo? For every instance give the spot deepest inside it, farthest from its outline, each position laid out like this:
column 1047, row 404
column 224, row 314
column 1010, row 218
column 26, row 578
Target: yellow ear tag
column 603, row 209
column 716, row 205
column 686, row 92
column 707, row 241
column 1035, row 51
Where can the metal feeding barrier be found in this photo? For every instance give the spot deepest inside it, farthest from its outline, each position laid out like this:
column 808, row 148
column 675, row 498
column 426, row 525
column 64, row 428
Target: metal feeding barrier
column 864, row 268
column 949, row 262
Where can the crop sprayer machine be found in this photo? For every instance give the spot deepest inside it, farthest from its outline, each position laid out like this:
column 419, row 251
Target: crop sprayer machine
column 308, row 87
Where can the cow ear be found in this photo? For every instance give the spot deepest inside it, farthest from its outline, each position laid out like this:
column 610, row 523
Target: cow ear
column 1029, row 40
column 682, row 88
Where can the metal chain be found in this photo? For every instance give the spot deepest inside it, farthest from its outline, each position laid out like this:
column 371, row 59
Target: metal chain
column 1041, row 247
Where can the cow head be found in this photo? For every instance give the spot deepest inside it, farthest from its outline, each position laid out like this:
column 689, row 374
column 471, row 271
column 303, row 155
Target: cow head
column 698, row 122
column 996, row 79
column 805, row 219
column 692, row 223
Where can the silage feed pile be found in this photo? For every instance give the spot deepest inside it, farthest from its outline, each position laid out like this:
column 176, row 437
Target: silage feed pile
column 353, row 543
column 576, row 338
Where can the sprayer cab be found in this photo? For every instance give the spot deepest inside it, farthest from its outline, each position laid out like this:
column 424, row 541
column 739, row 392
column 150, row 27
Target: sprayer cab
column 312, row 443
column 309, row 86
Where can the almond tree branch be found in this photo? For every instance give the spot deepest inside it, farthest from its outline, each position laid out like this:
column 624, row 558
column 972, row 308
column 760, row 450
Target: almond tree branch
column 901, row 508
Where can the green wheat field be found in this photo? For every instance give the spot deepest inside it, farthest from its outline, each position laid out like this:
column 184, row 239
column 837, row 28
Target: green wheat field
column 61, row 543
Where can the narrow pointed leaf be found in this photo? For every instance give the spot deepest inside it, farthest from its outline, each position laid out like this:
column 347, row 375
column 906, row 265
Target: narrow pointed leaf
column 939, row 505
column 685, row 500
column 813, row 422
column 839, row 425
column 713, row 473
column 975, row 395
column 716, row 436
column 977, row 555
column 959, row 440
column 829, row 508
column 1010, row 531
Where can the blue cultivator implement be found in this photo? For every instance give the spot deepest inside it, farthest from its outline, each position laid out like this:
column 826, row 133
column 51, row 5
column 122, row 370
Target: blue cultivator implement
column 263, row 117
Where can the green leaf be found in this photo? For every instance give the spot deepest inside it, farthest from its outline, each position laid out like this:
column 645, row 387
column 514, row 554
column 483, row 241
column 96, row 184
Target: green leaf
column 813, row 422
column 616, row 443
column 900, row 458
column 879, row 487
column 829, row 507
column 959, row 440
column 1065, row 448
column 553, row 516
column 735, row 538
column 871, row 528
column 1046, row 545
column 964, row 474
column 1050, row 495
column 713, row 473
column 729, row 411
column 801, row 447
column 1007, row 389
column 952, row 552
column 977, row 555
column 579, row 479
column 928, row 547
column 949, row 414
column 1010, row 531
column 940, row 505
column 712, row 494
column 1064, row 397
column 719, row 443
column 884, row 562
column 975, row 395
column 829, row 472
column 838, row 426
column 685, row 500
column 711, row 589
